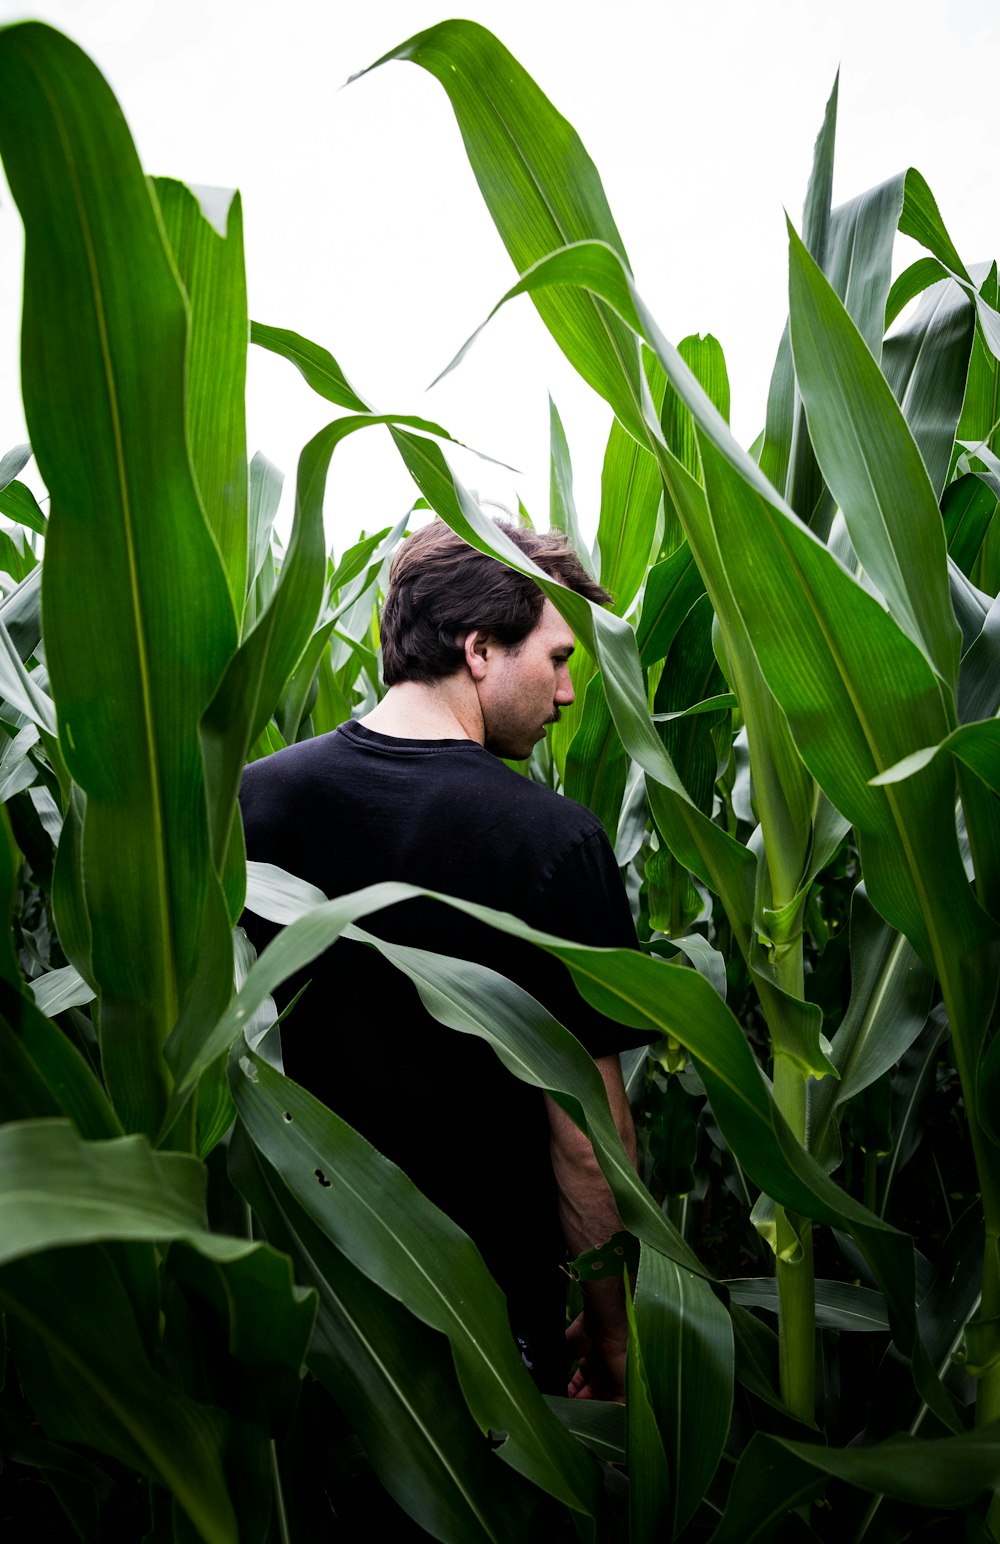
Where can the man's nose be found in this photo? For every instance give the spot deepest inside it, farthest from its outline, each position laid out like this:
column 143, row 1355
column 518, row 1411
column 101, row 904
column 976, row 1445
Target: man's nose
column 564, row 689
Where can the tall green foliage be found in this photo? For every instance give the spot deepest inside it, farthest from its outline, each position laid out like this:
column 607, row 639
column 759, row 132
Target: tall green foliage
column 788, row 723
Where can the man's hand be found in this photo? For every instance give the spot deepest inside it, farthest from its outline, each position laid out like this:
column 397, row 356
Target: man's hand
column 601, row 1373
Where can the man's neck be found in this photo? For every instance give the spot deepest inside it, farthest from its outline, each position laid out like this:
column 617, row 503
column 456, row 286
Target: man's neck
column 419, row 710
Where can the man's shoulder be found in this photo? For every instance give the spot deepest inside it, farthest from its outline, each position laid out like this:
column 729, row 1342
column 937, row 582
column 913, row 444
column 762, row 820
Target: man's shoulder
column 564, row 813
column 283, row 774
column 536, row 825
column 480, row 791
column 293, row 760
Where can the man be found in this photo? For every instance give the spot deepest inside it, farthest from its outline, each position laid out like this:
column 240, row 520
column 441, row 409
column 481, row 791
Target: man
column 476, row 662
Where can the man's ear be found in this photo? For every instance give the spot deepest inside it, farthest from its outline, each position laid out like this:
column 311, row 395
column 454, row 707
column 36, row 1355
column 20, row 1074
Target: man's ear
column 477, row 649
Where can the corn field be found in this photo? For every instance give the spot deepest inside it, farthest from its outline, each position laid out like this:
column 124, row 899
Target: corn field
column 787, row 723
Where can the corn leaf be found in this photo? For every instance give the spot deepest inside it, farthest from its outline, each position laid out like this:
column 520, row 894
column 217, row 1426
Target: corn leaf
column 635, row 990
column 631, row 490
column 596, row 764
column 562, row 508
column 372, row 1213
column 649, row 1474
column 775, row 1474
column 672, row 587
column 210, row 267
column 537, row 180
column 834, row 697
column 682, row 1328
column 417, row 1433
column 136, row 642
column 872, row 464
column 316, row 365
column 88, row 1376
column 19, row 503
column 927, row 365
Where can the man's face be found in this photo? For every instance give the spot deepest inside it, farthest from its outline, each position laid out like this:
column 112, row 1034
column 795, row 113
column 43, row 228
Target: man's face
column 524, row 688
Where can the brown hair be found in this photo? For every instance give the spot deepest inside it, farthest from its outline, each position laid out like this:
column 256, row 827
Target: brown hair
column 440, row 589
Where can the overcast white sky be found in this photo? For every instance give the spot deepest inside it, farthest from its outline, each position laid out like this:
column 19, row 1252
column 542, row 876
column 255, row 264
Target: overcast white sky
column 366, row 232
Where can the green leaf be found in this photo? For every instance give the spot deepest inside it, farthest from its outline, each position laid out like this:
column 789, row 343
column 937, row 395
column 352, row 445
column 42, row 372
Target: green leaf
column 859, row 256
column 775, row 1475
column 672, row 587
column 17, row 769
column 359, row 557
column 839, row 1304
column 87, row 1374
column 756, row 1347
column 69, row 901
column 631, row 489
column 599, row 1424
column 649, row 1474
column 968, row 509
column 596, row 763
column 927, row 363
column 16, row 557
column 210, row 267
column 44, row 1074
column 911, row 283
column 279, row 896
column 19, row 687
column 300, row 691
column 633, row 989
column 707, row 363
column 57, row 990
column 540, row 1051
column 838, row 719
column 537, row 180
column 769, row 1482
column 375, row 1216
column 21, row 614
column 562, row 509
column 690, row 702
column 264, row 496
column 12, row 462
column 785, row 453
column 10, row 866
column 981, row 409
column 921, row 219
column 104, row 343
column 703, row 846
column 709, row 852
column 58, row 1189
column 416, row 1431
column 891, row 994
column 686, row 1341
column 19, row 503
column 316, row 365
column 261, row 1317
column 258, row 671
column 976, row 745
column 872, row 464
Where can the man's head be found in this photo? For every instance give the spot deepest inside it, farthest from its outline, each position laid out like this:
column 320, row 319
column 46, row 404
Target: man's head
column 452, row 610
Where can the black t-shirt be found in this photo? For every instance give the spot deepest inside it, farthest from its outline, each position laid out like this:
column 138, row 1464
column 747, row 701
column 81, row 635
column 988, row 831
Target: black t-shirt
column 354, row 807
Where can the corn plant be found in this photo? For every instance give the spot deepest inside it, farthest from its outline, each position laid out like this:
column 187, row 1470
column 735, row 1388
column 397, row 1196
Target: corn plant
column 796, row 687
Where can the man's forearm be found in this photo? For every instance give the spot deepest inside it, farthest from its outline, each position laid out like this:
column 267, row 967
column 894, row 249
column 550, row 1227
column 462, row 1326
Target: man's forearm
column 589, row 1216
column 587, row 1207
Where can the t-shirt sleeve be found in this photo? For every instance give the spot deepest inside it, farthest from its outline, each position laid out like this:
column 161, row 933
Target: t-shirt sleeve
column 583, row 899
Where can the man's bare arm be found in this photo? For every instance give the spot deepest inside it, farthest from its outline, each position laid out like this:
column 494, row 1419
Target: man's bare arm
column 589, row 1216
